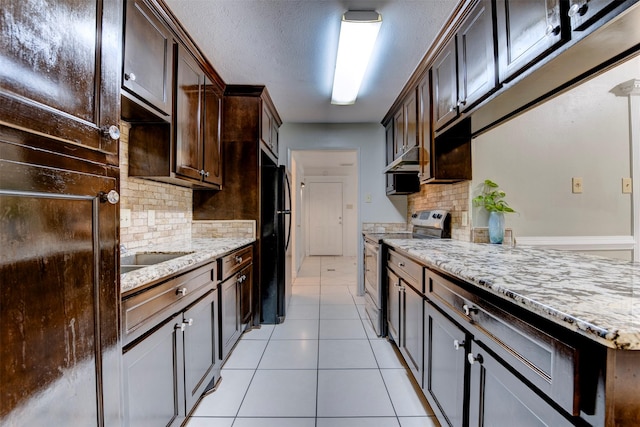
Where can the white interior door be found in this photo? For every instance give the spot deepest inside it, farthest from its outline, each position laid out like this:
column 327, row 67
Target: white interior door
column 325, row 218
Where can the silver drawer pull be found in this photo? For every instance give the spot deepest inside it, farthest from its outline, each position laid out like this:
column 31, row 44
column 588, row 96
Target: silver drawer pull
column 188, row 322
column 457, row 344
column 181, row 292
column 238, row 260
column 401, row 264
column 469, row 310
column 180, row 326
column 473, row 359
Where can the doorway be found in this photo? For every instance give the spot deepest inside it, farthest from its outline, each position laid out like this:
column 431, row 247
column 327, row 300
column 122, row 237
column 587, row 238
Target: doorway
column 325, row 218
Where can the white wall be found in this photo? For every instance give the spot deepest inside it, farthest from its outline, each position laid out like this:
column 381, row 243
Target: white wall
column 369, row 140
column 581, row 133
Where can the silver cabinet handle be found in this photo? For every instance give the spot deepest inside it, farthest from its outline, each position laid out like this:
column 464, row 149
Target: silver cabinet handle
column 181, row 292
column 457, row 344
column 130, row 76
column 180, row 326
column 188, row 322
column 112, row 132
column 473, row 359
column 401, row 264
column 112, row 197
column 238, row 260
column 468, row 310
column 206, row 174
column 552, row 30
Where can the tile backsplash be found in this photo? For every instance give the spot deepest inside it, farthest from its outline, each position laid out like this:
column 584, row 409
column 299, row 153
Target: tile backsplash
column 384, row 227
column 453, row 197
column 162, row 213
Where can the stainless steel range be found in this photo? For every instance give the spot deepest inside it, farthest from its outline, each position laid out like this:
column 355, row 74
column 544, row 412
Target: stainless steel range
column 431, row 224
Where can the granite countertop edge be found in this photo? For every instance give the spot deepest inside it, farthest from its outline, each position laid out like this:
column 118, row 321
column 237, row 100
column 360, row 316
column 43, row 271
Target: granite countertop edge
column 615, row 329
column 199, row 251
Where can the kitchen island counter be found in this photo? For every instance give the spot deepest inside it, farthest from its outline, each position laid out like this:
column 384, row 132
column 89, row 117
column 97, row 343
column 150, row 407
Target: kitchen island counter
column 199, row 251
column 594, row 296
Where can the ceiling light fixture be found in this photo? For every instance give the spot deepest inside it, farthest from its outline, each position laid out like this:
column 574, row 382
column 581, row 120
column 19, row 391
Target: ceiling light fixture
column 358, row 33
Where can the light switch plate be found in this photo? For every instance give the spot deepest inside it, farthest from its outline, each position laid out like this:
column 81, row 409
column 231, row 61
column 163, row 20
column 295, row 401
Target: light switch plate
column 627, row 186
column 576, row 185
column 125, row 217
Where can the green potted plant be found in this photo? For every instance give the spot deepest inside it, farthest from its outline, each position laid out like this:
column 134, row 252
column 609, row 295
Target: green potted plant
column 492, row 200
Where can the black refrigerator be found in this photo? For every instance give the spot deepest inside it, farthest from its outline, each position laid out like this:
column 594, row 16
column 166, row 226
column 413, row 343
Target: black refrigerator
column 275, row 245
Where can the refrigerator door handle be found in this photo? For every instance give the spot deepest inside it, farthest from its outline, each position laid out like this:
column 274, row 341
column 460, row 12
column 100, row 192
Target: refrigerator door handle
column 288, row 211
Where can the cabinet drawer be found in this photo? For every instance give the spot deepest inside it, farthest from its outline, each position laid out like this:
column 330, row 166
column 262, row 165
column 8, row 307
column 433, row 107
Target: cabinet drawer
column 233, row 262
column 143, row 311
column 546, row 362
column 409, row 270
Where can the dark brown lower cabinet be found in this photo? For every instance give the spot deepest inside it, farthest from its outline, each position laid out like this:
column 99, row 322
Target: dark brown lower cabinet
column 60, row 351
column 167, row 371
column 497, row 397
column 230, row 328
column 445, row 364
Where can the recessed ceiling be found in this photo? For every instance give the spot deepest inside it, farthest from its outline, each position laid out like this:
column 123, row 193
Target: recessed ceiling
column 290, row 46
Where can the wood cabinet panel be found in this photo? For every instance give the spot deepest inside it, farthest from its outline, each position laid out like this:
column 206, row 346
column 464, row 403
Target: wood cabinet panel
column 148, row 57
column 189, row 83
column 61, row 70
column 211, row 139
column 444, row 376
column 201, row 355
column 60, row 337
column 393, row 306
column 413, row 339
column 425, row 129
column 229, row 317
column 498, row 397
column 526, row 30
column 445, row 86
column 153, row 379
column 245, row 284
column 476, row 56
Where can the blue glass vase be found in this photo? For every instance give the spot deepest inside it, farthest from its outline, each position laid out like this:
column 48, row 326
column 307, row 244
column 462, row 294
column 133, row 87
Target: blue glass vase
column 496, row 227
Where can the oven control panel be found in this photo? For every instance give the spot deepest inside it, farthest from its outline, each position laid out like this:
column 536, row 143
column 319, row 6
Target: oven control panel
column 434, row 218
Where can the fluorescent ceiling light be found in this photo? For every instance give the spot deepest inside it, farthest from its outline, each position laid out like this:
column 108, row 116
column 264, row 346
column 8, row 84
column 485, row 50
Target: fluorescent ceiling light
column 358, row 33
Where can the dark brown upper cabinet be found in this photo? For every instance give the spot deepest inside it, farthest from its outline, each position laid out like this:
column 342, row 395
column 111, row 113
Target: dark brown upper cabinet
column 445, row 86
column 526, row 32
column 63, row 79
column 148, row 57
column 476, row 56
column 583, row 13
column 269, row 127
column 425, row 130
column 197, row 123
column 406, row 126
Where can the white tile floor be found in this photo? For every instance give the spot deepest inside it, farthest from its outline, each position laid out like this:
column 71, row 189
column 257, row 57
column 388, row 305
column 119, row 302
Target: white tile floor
column 323, row 367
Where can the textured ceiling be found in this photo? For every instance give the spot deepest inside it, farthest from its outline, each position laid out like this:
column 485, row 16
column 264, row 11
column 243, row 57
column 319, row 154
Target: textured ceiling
column 290, row 46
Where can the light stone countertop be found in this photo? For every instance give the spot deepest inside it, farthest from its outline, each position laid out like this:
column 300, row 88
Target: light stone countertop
column 200, row 250
column 594, row 296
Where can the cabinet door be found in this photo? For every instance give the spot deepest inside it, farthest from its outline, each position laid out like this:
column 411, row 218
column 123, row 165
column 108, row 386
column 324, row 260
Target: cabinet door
column 583, row 13
column 265, row 130
column 445, row 86
column 399, row 133
column 200, row 347
column 425, row 138
column 413, row 344
column 60, row 73
column 211, row 133
column 190, row 80
column 393, row 306
column 497, row 397
column 245, row 284
column 59, row 298
column 230, row 325
column 526, row 31
column 148, row 56
column 476, row 58
column 411, row 119
column 445, row 371
column 275, row 139
column 153, row 378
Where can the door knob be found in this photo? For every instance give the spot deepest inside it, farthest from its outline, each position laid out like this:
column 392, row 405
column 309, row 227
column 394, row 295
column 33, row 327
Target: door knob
column 112, row 131
column 112, row 197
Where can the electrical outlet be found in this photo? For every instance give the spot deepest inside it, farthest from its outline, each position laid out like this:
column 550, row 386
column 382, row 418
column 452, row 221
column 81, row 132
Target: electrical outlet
column 627, row 187
column 576, row 185
column 125, row 217
column 151, row 218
